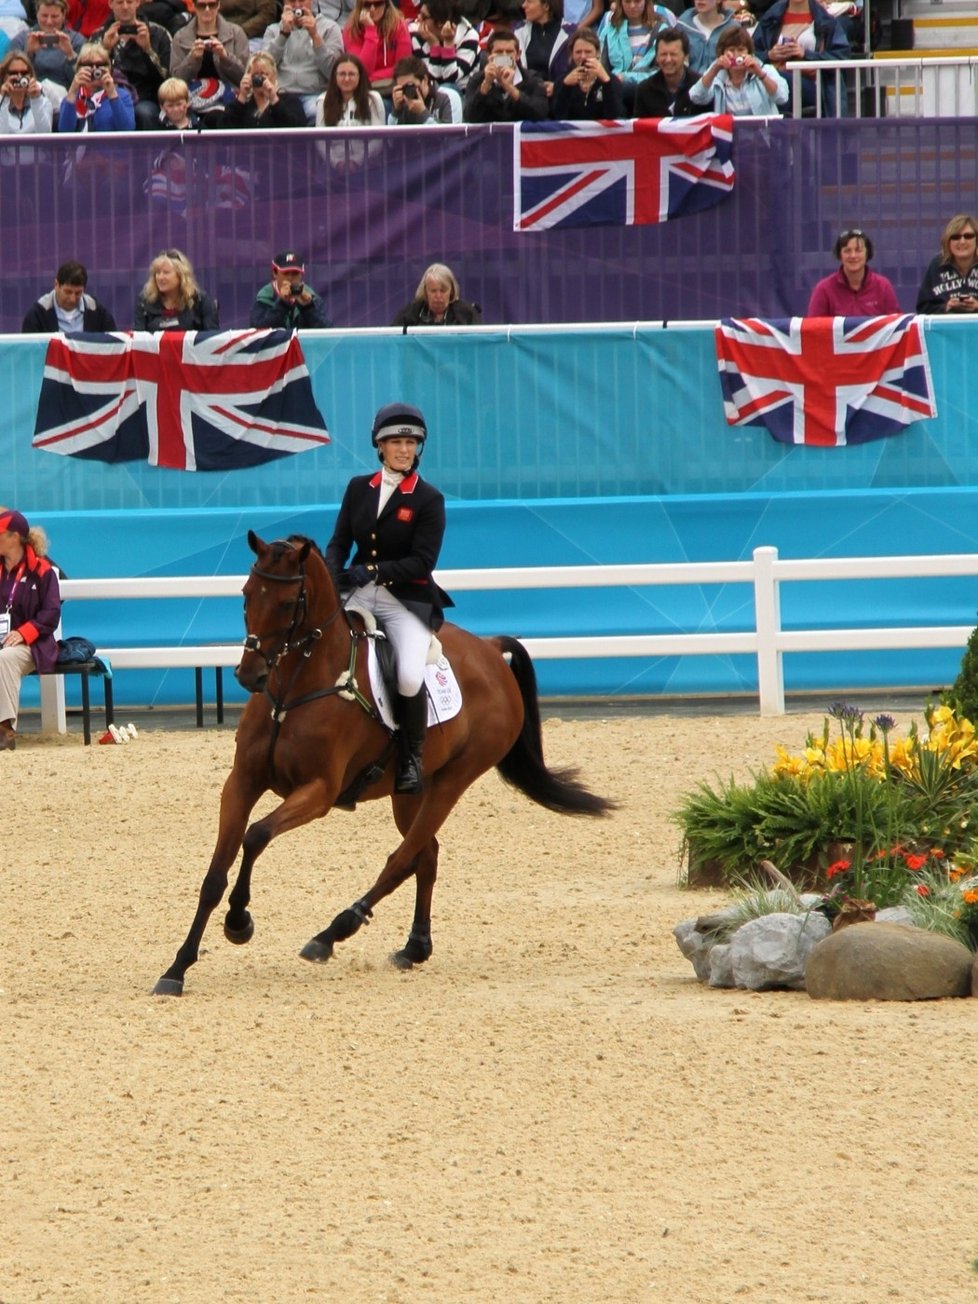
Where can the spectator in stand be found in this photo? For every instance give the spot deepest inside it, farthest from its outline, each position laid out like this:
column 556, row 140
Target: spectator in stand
column 88, row 16
column 415, row 102
column 208, row 49
column 504, row 91
column 666, row 93
column 51, row 47
column 437, row 302
column 67, row 308
column 447, row 42
column 24, row 108
column 544, row 41
column 254, row 17
column 171, row 298
column 175, row 111
column 801, row 29
column 30, row 612
column 950, row 283
column 705, row 23
column 853, row 290
column 628, row 34
column 140, row 56
column 304, row 46
column 287, row 303
column 348, row 101
column 588, row 90
column 94, row 102
column 737, row 82
column 378, row 35
column 258, row 101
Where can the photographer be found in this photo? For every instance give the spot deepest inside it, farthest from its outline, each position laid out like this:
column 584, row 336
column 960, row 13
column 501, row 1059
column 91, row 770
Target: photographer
column 259, row 102
column 210, row 47
column 503, row 91
column 24, row 108
column 140, row 56
column 737, row 82
column 94, row 102
column 415, row 101
column 588, row 90
column 304, row 46
column 287, row 302
column 52, row 48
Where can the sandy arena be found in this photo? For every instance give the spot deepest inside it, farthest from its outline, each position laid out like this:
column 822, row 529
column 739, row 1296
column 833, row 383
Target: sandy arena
column 551, row 1111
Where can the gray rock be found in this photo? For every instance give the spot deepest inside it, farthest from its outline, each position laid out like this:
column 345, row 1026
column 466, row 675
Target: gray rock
column 888, row 962
column 695, row 946
column 721, row 966
column 895, row 915
column 772, row 951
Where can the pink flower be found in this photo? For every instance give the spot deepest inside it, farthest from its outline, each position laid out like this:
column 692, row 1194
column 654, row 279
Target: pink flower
column 838, row 867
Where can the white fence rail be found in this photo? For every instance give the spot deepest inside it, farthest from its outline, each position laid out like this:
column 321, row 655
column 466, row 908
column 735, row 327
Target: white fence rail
column 944, row 86
column 765, row 572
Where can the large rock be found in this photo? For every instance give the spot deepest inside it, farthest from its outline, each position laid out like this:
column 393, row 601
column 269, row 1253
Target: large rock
column 773, row 950
column 697, row 941
column 888, row 962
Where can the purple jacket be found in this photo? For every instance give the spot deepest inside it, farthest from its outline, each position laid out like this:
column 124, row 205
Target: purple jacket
column 832, row 297
column 35, row 607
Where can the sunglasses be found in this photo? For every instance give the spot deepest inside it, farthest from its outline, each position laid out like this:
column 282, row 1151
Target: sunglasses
column 964, row 235
column 854, row 234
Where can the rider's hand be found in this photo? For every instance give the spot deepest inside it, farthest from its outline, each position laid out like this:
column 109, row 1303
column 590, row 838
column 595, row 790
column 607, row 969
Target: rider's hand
column 358, row 576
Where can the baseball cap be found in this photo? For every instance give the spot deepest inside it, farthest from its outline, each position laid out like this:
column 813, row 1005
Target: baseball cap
column 14, row 521
column 289, row 261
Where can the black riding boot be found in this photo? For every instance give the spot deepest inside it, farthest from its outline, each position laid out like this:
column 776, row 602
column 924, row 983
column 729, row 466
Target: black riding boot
column 412, row 722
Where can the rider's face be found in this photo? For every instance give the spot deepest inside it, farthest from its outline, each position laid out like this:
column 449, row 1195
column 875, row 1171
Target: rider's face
column 398, row 453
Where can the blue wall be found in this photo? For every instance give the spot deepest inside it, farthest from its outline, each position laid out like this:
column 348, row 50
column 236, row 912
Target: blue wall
column 553, row 448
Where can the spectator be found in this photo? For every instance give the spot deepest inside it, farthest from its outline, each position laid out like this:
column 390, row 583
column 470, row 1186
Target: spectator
column 378, row 35
column 628, row 33
column 210, row 49
column 88, row 16
column 67, row 308
column 588, row 90
column 94, row 102
column 254, row 17
column 348, row 101
column 24, row 108
column 175, row 111
column 504, row 91
column 52, row 47
column 801, row 29
column 287, row 302
column 666, row 93
column 171, row 298
column 304, row 46
column 140, row 56
column 950, row 283
column 259, row 102
column 853, row 290
column 30, row 612
column 737, row 82
column 543, row 41
column 447, row 42
column 705, row 23
column 437, row 302
column 415, row 101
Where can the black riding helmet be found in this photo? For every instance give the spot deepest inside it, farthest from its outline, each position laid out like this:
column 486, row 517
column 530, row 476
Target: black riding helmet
column 400, row 419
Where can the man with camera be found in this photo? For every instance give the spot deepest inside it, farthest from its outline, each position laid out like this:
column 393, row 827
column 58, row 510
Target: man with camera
column 51, row 46
column 140, row 54
column 287, row 302
column 505, row 91
column 304, row 46
column 415, row 101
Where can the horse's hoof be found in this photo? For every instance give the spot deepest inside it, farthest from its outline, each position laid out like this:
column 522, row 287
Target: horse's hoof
column 169, row 987
column 401, row 960
column 240, row 936
column 416, row 950
column 316, row 951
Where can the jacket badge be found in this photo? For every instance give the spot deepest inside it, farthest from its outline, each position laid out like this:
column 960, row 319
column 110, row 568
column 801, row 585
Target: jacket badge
column 405, row 513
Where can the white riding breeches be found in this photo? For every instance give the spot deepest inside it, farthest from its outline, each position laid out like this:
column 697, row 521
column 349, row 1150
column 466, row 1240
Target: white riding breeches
column 409, row 637
column 15, row 663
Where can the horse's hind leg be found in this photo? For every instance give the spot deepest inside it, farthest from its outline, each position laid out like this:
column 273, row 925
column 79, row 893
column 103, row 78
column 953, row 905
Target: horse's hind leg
column 418, row 946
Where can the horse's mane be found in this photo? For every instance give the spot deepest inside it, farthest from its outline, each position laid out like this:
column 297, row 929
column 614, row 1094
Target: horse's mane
column 297, row 540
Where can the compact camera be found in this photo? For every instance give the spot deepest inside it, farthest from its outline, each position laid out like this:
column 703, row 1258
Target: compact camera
column 410, row 91
column 296, row 288
column 128, row 29
column 739, row 61
column 22, row 82
column 96, row 74
column 298, row 13
column 503, row 60
column 258, row 79
column 49, row 38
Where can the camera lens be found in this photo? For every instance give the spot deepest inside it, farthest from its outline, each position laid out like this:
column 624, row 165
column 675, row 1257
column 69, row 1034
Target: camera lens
column 258, row 80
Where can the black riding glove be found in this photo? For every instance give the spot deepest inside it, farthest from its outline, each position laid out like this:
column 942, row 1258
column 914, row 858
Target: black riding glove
column 358, row 576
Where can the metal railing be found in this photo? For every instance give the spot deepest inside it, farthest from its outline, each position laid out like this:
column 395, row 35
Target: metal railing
column 916, row 87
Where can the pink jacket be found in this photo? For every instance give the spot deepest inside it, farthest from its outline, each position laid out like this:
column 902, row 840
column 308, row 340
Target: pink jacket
column 832, row 297
column 377, row 56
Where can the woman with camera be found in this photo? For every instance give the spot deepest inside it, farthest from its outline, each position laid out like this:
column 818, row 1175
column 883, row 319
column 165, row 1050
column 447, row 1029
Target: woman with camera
column 94, row 102
column 171, row 298
column 24, row 108
column 588, row 91
column 737, row 82
column 207, row 48
column 259, row 102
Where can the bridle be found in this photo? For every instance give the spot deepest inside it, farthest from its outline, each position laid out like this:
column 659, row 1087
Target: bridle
column 253, row 642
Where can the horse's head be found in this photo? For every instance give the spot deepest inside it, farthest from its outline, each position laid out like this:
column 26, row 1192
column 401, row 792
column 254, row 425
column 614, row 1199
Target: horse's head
column 288, row 599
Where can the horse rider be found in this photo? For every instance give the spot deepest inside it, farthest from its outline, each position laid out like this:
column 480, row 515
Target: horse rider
column 396, row 522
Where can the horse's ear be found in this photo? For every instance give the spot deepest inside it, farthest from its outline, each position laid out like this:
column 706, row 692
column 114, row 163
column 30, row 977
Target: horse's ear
column 304, row 550
column 254, row 543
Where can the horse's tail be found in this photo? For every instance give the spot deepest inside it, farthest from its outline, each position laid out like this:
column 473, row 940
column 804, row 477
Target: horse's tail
column 523, row 765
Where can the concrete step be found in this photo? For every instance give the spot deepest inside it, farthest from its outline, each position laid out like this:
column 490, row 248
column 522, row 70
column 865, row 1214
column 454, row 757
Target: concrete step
column 955, row 33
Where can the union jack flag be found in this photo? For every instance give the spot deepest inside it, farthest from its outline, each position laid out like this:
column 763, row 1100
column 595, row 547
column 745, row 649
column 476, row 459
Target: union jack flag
column 187, row 400
column 619, row 173
column 827, row 381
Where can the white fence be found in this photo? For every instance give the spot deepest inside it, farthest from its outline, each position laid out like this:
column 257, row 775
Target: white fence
column 944, row 86
column 765, row 572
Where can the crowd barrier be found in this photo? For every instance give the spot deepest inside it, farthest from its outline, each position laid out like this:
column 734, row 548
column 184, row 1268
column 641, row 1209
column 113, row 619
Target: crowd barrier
column 446, row 194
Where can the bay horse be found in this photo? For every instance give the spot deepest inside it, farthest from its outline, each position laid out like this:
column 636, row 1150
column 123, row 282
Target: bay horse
column 310, row 732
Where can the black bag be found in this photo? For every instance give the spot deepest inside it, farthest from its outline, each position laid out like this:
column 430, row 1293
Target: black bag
column 72, row 651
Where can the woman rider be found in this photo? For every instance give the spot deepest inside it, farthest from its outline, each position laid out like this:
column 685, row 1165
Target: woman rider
column 396, row 522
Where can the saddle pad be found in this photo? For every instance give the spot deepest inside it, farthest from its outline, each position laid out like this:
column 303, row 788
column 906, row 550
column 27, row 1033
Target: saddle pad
column 444, row 694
